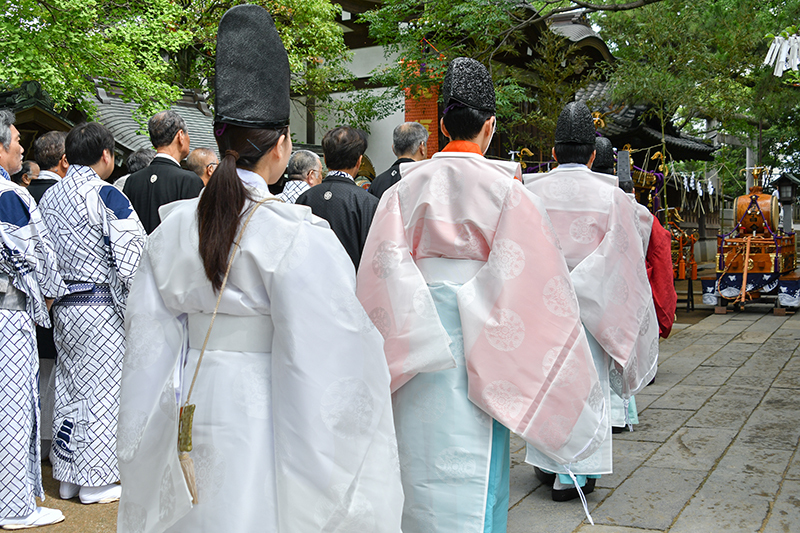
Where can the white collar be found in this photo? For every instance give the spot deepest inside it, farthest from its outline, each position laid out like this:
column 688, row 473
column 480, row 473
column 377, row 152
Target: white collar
column 571, row 166
column 251, row 179
column 167, row 156
column 437, row 155
column 46, row 174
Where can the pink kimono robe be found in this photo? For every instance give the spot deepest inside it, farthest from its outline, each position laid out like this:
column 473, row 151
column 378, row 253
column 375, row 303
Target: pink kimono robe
column 528, row 361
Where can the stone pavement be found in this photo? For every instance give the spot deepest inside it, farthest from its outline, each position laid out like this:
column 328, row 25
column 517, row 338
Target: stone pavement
column 716, row 447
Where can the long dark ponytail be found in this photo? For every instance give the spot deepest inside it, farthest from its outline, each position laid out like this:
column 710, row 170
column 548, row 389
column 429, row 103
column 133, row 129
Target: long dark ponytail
column 219, row 211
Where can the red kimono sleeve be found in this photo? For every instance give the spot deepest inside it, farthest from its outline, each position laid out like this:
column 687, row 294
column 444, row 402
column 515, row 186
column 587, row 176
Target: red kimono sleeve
column 659, row 272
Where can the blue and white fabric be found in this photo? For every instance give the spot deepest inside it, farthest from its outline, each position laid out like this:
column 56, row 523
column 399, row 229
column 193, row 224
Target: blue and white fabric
column 730, row 285
column 27, row 267
column 292, row 190
column 454, row 457
column 98, row 239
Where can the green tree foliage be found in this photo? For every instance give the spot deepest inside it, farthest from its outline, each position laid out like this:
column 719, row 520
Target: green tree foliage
column 700, row 59
column 63, row 44
column 308, row 29
column 152, row 49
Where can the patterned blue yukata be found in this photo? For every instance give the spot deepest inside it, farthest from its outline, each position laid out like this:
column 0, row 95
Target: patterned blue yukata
column 28, row 275
column 98, row 239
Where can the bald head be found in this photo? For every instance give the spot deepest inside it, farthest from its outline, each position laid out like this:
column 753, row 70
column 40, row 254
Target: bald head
column 203, row 162
column 410, row 139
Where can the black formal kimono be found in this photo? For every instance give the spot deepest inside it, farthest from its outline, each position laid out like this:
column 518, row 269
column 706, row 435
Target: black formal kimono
column 347, row 207
column 38, row 187
column 388, row 178
column 162, row 182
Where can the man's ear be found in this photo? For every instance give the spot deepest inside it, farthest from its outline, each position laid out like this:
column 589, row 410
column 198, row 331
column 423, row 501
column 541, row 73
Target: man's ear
column 591, row 159
column 358, row 165
column 444, row 130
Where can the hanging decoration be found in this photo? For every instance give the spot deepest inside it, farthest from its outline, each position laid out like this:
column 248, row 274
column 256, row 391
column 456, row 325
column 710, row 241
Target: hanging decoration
column 784, row 54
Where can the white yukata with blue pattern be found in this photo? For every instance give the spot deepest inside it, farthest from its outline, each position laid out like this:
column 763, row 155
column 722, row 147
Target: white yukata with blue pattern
column 28, row 274
column 98, row 239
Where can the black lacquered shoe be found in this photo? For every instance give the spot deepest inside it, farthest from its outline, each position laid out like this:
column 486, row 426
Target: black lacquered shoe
column 544, row 477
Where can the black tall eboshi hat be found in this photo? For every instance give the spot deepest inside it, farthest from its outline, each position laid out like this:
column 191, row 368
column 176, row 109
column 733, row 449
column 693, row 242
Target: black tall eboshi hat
column 604, row 157
column 575, row 125
column 252, row 72
column 468, row 83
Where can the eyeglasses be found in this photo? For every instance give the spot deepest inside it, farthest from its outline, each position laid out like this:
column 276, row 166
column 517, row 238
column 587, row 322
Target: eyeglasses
column 215, row 165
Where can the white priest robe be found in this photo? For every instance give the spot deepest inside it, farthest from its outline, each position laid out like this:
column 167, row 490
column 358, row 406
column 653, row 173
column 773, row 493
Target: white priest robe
column 601, row 234
column 293, row 429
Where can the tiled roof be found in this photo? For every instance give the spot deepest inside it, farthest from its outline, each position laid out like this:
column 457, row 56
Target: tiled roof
column 117, row 116
column 626, row 124
column 574, row 32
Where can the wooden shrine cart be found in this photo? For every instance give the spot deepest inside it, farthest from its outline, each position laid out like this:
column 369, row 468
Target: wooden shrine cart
column 756, row 250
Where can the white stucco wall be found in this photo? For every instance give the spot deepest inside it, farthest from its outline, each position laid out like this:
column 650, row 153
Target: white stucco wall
column 364, row 61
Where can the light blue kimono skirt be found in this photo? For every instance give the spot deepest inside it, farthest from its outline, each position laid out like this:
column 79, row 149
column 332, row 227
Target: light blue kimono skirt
column 454, row 458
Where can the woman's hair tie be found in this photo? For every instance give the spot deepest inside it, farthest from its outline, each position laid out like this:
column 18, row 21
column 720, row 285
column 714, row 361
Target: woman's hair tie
column 234, row 153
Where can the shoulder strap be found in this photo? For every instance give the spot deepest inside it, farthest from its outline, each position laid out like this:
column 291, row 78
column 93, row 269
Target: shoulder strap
column 222, row 288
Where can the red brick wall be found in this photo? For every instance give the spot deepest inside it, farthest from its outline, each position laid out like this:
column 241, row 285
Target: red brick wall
column 424, row 108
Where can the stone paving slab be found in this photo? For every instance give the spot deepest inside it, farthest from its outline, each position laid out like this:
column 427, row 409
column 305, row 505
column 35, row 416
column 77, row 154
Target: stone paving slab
column 776, row 422
column 757, row 462
column 538, row 513
column 683, row 397
column 694, row 353
column 657, row 425
column 737, row 495
column 787, row 333
column 729, row 357
column 758, row 337
column 780, row 345
column 693, row 449
column 768, row 323
column 793, row 472
column 587, row 528
column 733, row 328
column 714, row 340
column 785, row 514
column 651, row 499
column 787, row 380
column 730, row 508
column 709, row 376
column 729, row 408
column 628, row 456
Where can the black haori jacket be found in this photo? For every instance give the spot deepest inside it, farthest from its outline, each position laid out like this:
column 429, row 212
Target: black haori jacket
column 348, row 209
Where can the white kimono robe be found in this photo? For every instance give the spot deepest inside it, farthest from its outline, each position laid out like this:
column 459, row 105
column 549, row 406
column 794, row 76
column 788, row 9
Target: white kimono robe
column 462, row 220
column 293, row 430
column 602, row 234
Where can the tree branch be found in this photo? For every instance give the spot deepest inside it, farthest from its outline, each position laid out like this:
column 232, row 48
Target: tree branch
column 615, row 7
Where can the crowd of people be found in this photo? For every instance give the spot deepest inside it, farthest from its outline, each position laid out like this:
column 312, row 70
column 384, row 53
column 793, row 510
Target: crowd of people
column 328, row 358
